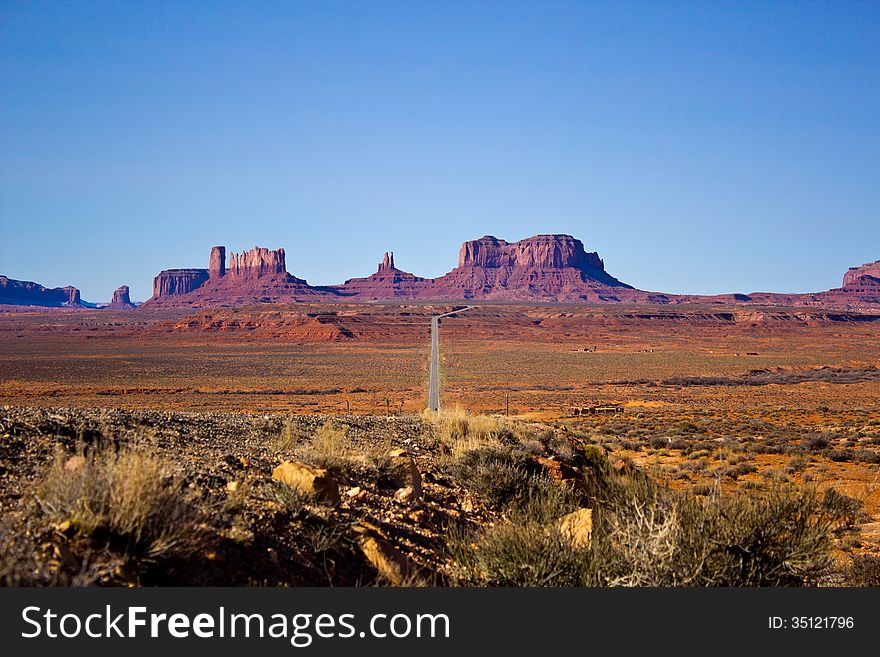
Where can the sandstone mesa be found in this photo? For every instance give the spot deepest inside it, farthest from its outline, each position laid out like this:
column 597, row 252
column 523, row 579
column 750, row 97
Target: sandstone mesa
column 543, row 268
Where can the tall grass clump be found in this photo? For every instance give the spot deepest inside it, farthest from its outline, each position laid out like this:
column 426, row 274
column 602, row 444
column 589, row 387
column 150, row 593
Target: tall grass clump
column 131, row 499
column 526, row 548
column 330, row 447
column 460, row 432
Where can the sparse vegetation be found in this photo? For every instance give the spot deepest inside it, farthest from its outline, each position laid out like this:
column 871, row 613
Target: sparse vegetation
column 129, row 498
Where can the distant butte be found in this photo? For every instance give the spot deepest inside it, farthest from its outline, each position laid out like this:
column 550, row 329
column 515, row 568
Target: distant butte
column 543, row 268
column 27, row 293
column 255, row 276
column 121, row 299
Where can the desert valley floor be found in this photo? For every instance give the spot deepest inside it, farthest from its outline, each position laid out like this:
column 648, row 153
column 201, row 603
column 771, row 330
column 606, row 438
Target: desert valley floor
column 729, row 398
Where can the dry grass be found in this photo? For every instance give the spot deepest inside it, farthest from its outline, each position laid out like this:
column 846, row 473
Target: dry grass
column 461, row 432
column 129, row 498
column 330, row 448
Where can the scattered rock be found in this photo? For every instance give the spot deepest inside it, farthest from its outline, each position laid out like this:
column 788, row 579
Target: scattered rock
column 356, row 493
column 74, row 463
column 391, row 564
column 562, row 473
column 577, row 527
column 315, row 482
column 403, row 473
column 405, row 494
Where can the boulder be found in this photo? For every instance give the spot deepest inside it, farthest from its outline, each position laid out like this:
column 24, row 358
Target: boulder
column 390, row 563
column 403, row 474
column 562, row 473
column 315, row 482
column 577, row 527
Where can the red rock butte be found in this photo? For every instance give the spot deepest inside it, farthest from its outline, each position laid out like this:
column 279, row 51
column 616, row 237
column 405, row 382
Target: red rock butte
column 543, row 268
column 28, row 293
column 121, row 299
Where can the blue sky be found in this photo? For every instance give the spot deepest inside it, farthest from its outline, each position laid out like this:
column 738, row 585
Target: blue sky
column 698, row 147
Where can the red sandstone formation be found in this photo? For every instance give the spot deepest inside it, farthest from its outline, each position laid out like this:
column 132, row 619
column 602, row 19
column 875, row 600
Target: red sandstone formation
column 28, row 293
column 868, row 275
column 256, row 263
column 255, row 276
column 217, row 263
column 178, row 282
column 121, row 299
column 542, row 268
column 388, row 282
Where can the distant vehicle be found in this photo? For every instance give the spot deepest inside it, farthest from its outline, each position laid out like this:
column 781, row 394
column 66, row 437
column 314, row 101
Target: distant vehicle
column 604, row 409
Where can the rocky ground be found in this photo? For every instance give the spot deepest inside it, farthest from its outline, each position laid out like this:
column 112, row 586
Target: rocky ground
column 117, row 497
column 249, row 533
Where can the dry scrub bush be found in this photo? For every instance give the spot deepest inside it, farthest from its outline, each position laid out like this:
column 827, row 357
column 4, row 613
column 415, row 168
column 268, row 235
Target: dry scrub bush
column 291, row 436
column 330, row 448
column 461, row 432
column 649, row 535
column 646, row 535
column 525, row 549
column 501, row 476
column 130, row 498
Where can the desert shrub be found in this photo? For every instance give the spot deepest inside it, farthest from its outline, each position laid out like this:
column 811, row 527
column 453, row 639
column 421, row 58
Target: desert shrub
column 517, row 555
column 647, row 535
column 290, row 437
column 782, row 539
column 842, row 509
column 526, row 549
column 815, row 443
column 865, row 456
column 500, row 476
column 292, row 499
column 795, row 464
column 564, row 449
column 863, row 572
column 461, row 432
column 841, row 455
column 594, row 457
column 129, row 497
column 330, row 448
column 741, row 469
column 659, row 442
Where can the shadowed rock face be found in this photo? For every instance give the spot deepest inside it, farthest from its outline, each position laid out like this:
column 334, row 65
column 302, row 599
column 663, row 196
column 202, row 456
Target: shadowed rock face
column 866, row 275
column 256, row 263
column 121, row 298
column 177, row 282
column 28, row 293
column 539, row 252
column 539, row 268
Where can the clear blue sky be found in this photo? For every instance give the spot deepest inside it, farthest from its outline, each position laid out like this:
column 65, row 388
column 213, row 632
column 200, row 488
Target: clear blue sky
column 698, row 147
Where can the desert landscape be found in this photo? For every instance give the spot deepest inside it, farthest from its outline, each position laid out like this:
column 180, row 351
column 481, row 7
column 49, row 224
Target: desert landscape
column 294, row 438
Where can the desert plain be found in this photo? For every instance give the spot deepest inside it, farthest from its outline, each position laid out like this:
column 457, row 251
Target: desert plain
column 714, row 400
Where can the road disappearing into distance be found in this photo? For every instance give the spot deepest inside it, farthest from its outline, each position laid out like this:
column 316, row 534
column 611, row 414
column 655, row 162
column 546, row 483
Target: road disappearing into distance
column 434, row 378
